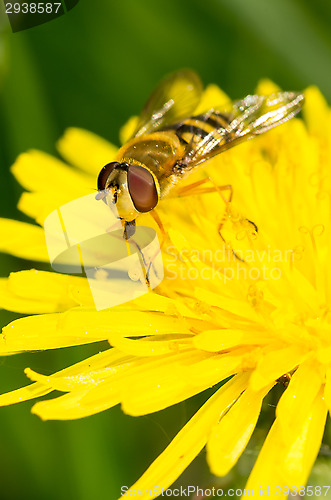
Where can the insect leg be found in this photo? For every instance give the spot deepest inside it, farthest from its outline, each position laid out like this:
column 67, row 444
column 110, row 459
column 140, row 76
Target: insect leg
column 129, row 231
column 158, row 221
column 164, row 234
column 194, row 189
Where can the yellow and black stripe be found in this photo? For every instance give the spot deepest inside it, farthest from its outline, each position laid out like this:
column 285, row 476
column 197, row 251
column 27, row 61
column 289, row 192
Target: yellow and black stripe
column 196, row 128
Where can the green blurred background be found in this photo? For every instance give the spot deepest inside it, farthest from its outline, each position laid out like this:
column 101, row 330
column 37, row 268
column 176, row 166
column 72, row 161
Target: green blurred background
column 93, row 68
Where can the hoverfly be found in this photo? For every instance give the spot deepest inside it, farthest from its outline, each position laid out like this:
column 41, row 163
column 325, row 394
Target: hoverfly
column 170, row 141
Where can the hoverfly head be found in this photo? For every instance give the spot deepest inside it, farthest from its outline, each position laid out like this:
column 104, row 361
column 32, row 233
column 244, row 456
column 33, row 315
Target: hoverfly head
column 132, row 188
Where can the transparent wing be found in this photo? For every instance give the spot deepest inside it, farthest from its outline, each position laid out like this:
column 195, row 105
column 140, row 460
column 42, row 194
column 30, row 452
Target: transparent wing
column 214, row 131
column 175, row 98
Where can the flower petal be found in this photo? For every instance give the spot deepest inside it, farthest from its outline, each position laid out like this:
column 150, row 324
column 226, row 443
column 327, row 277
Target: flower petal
column 267, row 87
column 212, row 97
column 128, row 129
column 24, row 394
column 189, row 441
column 86, row 150
column 69, row 407
column 43, row 332
column 327, row 390
column 78, row 378
column 275, row 364
column 30, row 168
column 234, row 306
column 149, row 346
column 39, row 205
column 159, row 387
column 86, row 374
column 33, row 291
column 316, row 111
column 167, row 373
column 227, row 441
column 23, row 240
column 219, row 340
column 304, row 386
column 286, row 463
column 80, row 325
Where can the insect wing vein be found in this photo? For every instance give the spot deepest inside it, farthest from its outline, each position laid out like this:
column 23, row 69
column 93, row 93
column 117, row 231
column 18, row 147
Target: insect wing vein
column 248, row 117
column 175, row 98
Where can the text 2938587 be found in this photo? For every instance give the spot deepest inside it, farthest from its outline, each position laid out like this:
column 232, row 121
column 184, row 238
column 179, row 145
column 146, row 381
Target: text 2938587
column 32, row 8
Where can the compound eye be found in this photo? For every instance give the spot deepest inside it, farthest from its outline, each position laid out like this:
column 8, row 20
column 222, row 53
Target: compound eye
column 105, row 173
column 142, row 188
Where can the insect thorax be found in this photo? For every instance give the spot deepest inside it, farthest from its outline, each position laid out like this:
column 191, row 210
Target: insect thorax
column 158, row 152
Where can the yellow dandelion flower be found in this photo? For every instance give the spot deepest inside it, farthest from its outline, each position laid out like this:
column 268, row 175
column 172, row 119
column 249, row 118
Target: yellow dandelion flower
column 238, row 303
